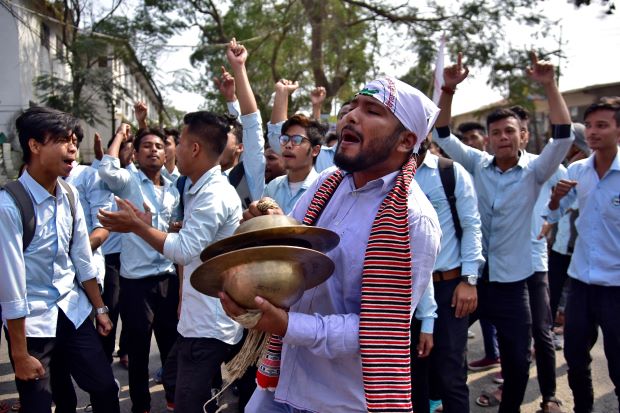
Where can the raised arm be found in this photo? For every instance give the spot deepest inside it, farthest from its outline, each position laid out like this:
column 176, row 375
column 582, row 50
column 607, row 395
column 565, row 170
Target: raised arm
column 317, row 97
column 237, row 56
column 543, row 72
column 457, row 150
column 140, row 110
column 554, row 152
column 279, row 113
column 110, row 171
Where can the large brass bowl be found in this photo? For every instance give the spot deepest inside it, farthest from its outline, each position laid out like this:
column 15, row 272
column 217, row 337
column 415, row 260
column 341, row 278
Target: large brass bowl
column 268, row 230
column 280, row 274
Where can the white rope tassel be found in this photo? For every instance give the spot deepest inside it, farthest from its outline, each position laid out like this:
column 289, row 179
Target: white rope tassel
column 253, row 348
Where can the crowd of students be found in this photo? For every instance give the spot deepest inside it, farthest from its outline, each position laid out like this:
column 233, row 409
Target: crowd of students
column 438, row 230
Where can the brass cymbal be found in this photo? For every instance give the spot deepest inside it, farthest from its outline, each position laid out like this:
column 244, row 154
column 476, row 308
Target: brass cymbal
column 280, row 274
column 274, row 230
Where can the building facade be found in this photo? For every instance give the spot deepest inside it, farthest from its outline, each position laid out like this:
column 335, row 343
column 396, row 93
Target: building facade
column 32, row 45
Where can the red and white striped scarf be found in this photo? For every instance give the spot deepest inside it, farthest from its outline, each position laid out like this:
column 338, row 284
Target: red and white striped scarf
column 385, row 314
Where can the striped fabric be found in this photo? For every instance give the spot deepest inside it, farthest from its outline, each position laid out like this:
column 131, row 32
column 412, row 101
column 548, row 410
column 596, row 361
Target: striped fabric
column 385, row 314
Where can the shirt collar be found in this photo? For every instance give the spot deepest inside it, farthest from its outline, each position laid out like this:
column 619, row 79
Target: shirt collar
column 430, row 161
column 615, row 165
column 522, row 162
column 38, row 193
column 204, row 179
column 143, row 178
column 386, row 182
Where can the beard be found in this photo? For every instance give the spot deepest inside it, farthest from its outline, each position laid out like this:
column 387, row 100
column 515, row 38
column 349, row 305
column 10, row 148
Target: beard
column 376, row 152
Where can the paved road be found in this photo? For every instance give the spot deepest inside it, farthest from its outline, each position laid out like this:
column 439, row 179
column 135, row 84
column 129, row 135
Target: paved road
column 604, row 393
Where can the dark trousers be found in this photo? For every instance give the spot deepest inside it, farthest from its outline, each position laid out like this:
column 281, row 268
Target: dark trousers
column 87, row 364
column 147, row 305
column 420, row 388
column 196, row 361
column 507, row 307
column 111, row 294
column 542, row 322
column 489, row 338
column 589, row 307
column 448, row 370
column 558, row 276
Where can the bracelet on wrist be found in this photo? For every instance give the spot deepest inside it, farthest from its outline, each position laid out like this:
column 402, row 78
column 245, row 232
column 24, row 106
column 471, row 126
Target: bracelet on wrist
column 448, row 90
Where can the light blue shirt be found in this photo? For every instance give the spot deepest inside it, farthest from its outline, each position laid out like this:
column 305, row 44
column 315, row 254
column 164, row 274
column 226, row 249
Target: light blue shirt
column 466, row 253
column 44, row 278
column 563, row 234
column 93, row 196
column 540, row 255
column 426, row 310
column 596, row 257
column 324, row 160
column 321, row 349
column 506, row 202
column 280, row 191
column 139, row 259
column 253, row 155
column 171, row 176
column 212, row 212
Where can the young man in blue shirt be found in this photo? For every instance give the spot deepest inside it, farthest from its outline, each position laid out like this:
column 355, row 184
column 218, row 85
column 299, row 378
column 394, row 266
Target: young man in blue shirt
column 50, row 288
column 593, row 300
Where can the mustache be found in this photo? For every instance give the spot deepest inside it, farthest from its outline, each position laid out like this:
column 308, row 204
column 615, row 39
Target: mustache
column 352, row 130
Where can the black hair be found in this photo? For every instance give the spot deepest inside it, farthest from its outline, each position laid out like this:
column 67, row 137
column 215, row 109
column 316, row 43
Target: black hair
column 147, row 131
column 499, row 114
column 331, row 136
column 469, row 126
column 174, row 133
column 314, row 129
column 605, row 103
column 44, row 124
column 521, row 112
column 211, row 128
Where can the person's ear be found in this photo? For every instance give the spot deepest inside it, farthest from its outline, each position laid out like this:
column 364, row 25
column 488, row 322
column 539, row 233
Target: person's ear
column 34, row 145
column 316, row 149
column 406, row 141
column 239, row 149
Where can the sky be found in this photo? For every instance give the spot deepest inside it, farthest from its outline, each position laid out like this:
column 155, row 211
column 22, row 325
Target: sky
column 591, row 46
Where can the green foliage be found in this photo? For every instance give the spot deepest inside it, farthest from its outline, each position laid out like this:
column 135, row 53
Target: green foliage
column 334, row 43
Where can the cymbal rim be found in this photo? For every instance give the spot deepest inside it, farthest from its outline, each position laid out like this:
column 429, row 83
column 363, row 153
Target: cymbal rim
column 317, row 238
column 208, row 278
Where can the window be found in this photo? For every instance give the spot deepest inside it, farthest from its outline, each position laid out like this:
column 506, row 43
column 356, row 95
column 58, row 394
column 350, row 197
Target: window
column 60, row 49
column 45, row 36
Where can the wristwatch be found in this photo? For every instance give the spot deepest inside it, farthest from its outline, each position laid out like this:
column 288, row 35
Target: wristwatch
column 102, row 310
column 470, row 279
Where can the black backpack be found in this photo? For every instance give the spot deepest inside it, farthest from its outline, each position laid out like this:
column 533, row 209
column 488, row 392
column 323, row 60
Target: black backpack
column 446, row 174
column 24, row 203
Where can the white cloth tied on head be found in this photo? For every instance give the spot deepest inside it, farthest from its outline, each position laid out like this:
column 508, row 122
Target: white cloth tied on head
column 416, row 112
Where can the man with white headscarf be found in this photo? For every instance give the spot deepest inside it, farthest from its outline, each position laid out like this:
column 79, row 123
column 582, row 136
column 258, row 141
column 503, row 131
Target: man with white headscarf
column 345, row 343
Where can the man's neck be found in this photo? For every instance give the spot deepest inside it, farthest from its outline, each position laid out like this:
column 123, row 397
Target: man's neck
column 154, row 176
column 603, row 158
column 299, row 174
column 170, row 166
column 42, row 178
column 196, row 175
column 506, row 163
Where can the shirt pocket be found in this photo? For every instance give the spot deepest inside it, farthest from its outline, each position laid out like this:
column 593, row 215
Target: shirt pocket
column 609, row 207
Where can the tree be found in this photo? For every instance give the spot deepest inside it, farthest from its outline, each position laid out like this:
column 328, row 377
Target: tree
column 335, row 43
column 89, row 48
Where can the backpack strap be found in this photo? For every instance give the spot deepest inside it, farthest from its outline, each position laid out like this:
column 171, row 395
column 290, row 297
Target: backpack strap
column 24, row 203
column 180, row 184
column 448, row 180
column 71, row 198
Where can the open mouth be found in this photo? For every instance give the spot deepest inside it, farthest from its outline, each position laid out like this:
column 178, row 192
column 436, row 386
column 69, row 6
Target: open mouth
column 350, row 136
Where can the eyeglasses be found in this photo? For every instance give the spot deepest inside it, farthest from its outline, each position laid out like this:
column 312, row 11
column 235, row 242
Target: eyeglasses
column 295, row 140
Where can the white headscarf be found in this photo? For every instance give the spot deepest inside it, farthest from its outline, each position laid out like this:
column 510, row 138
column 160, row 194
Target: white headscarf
column 416, row 112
